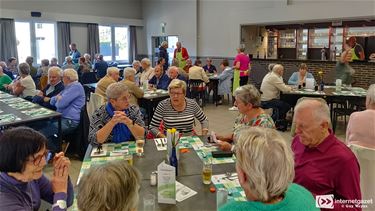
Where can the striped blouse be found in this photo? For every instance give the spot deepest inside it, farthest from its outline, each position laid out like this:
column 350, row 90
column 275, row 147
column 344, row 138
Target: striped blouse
column 183, row 121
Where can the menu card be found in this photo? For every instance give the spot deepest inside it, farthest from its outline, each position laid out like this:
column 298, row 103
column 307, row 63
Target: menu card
column 166, row 184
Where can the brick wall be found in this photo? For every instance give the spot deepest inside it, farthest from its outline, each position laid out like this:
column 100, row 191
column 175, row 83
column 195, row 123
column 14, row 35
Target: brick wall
column 364, row 71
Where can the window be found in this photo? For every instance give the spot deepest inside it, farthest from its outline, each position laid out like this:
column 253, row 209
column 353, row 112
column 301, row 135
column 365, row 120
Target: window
column 114, row 43
column 23, row 40
column 35, row 39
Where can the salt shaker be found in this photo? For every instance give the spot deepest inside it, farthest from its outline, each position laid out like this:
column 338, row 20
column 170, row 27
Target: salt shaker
column 153, row 178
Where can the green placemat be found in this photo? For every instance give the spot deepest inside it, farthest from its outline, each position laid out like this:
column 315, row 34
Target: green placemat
column 6, row 118
column 231, row 184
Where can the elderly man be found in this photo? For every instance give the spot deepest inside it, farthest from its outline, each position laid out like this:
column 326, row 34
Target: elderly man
column 323, row 164
column 271, row 87
column 159, row 80
column 173, row 74
column 134, row 91
column 164, row 54
column 6, row 70
column 74, row 53
column 54, row 87
column 113, row 74
column 69, row 103
column 100, row 66
column 181, row 54
column 196, row 72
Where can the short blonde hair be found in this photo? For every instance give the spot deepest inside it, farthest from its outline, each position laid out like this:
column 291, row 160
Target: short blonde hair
column 55, row 69
column 111, row 70
column 110, row 186
column 176, row 84
column 146, row 61
column 71, row 74
column 263, row 155
column 248, row 94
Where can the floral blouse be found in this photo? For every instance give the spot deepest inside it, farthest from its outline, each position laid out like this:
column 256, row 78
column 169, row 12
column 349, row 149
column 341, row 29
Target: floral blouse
column 262, row 120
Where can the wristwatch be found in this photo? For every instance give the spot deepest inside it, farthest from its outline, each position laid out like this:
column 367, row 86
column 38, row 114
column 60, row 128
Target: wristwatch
column 60, row 204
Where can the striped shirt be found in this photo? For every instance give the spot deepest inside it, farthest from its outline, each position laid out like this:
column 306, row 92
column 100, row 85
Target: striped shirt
column 183, row 121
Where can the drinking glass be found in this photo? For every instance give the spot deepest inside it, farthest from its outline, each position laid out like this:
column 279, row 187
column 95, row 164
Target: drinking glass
column 149, row 202
column 221, row 197
column 129, row 158
column 207, row 172
column 139, row 144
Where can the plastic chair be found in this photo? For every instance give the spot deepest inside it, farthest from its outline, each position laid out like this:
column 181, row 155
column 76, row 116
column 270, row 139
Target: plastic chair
column 366, row 161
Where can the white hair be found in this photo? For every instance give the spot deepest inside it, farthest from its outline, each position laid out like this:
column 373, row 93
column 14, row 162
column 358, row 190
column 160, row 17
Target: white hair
column 276, row 68
column 319, row 110
column 115, row 90
column 146, row 61
column 111, row 70
column 136, row 62
column 129, row 71
column 263, row 155
column 71, row 74
column 55, row 69
column 370, row 97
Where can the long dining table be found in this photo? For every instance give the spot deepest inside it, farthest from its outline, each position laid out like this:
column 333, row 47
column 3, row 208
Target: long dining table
column 189, row 174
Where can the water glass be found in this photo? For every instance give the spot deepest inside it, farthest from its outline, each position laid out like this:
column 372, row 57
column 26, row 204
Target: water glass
column 149, row 202
column 129, row 158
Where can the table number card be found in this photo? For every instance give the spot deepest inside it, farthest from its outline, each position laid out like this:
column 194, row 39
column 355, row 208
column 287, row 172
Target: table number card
column 166, row 184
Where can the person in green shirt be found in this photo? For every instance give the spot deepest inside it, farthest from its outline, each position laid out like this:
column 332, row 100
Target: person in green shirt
column 4, row 80
column 265, row 169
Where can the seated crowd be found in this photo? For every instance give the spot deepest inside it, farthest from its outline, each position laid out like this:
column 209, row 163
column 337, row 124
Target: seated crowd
column 273, row 175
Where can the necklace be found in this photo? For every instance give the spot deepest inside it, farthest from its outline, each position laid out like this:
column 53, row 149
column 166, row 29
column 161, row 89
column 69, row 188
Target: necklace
column 28, row 193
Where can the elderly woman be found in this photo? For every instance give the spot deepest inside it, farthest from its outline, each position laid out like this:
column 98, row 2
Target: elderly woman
column 138, row 71
column 83, row 66
column 54, row 62
column 69, row 64
column 5, row 80
column 265, row 171
column 241, row 65
column 225, row 80
column 178, row 112
column 116, row 121
column 361, row 124
column 148, row 71
column 251, row 114
column 134, row 91
column 54, row 87
column 160, row 80
column 120, row 183
column 209, row 67
column 23, row 155
column 299, row 78
column 69, row 103
column 24, row 85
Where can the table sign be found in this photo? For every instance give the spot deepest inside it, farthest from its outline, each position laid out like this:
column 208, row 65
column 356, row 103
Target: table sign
column 166, row 184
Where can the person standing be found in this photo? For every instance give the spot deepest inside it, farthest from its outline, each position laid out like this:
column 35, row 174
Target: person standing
column 181, row 54
column 241, row 65
column 356, row 49
column 74, row 53
column 164, row 54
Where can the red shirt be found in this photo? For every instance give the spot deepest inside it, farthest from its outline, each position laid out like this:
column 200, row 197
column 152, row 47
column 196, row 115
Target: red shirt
column 329, row 168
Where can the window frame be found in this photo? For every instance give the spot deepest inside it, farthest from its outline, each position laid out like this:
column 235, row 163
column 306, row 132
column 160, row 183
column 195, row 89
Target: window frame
column 33, row 38
column 113, row 41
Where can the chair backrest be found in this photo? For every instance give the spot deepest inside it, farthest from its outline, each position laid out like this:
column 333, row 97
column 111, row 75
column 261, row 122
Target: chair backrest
column 366, row 161
column 95, row 102
column 196, row 85
column 88, row 78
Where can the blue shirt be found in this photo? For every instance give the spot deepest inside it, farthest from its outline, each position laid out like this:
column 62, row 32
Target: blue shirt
column 72, row 100
column 294, row 79
column 101, row 68
column 161, row 83
column 75, row 55
column 211, row 69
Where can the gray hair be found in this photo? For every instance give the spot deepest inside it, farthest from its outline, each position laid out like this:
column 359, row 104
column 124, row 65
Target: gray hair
column 136, row 62
column 68, row 58
column 110, row 186
column 115, row 90
column 276, row 68
column 45, row 62
column 248, row 94
column 55, row 69
column 71, row 74
column 3, row 64
column 370, row 97
column 129, row 71
column 176, row 84
column 146, row 61
column 263, row 155
column 111, row 70
column 241, row 47
column 319, row 110
column 270, row 66
column 24, row 68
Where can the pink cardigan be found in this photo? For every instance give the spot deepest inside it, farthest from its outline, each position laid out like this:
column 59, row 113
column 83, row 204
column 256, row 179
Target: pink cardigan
column 361, row 129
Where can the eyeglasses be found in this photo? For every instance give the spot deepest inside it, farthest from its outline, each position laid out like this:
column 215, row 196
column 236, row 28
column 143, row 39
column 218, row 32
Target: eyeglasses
column 124, row 98
column 175, row 93
column 38, row 159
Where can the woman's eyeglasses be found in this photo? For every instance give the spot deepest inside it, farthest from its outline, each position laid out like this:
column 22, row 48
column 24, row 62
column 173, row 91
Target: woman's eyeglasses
column 38, row 159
